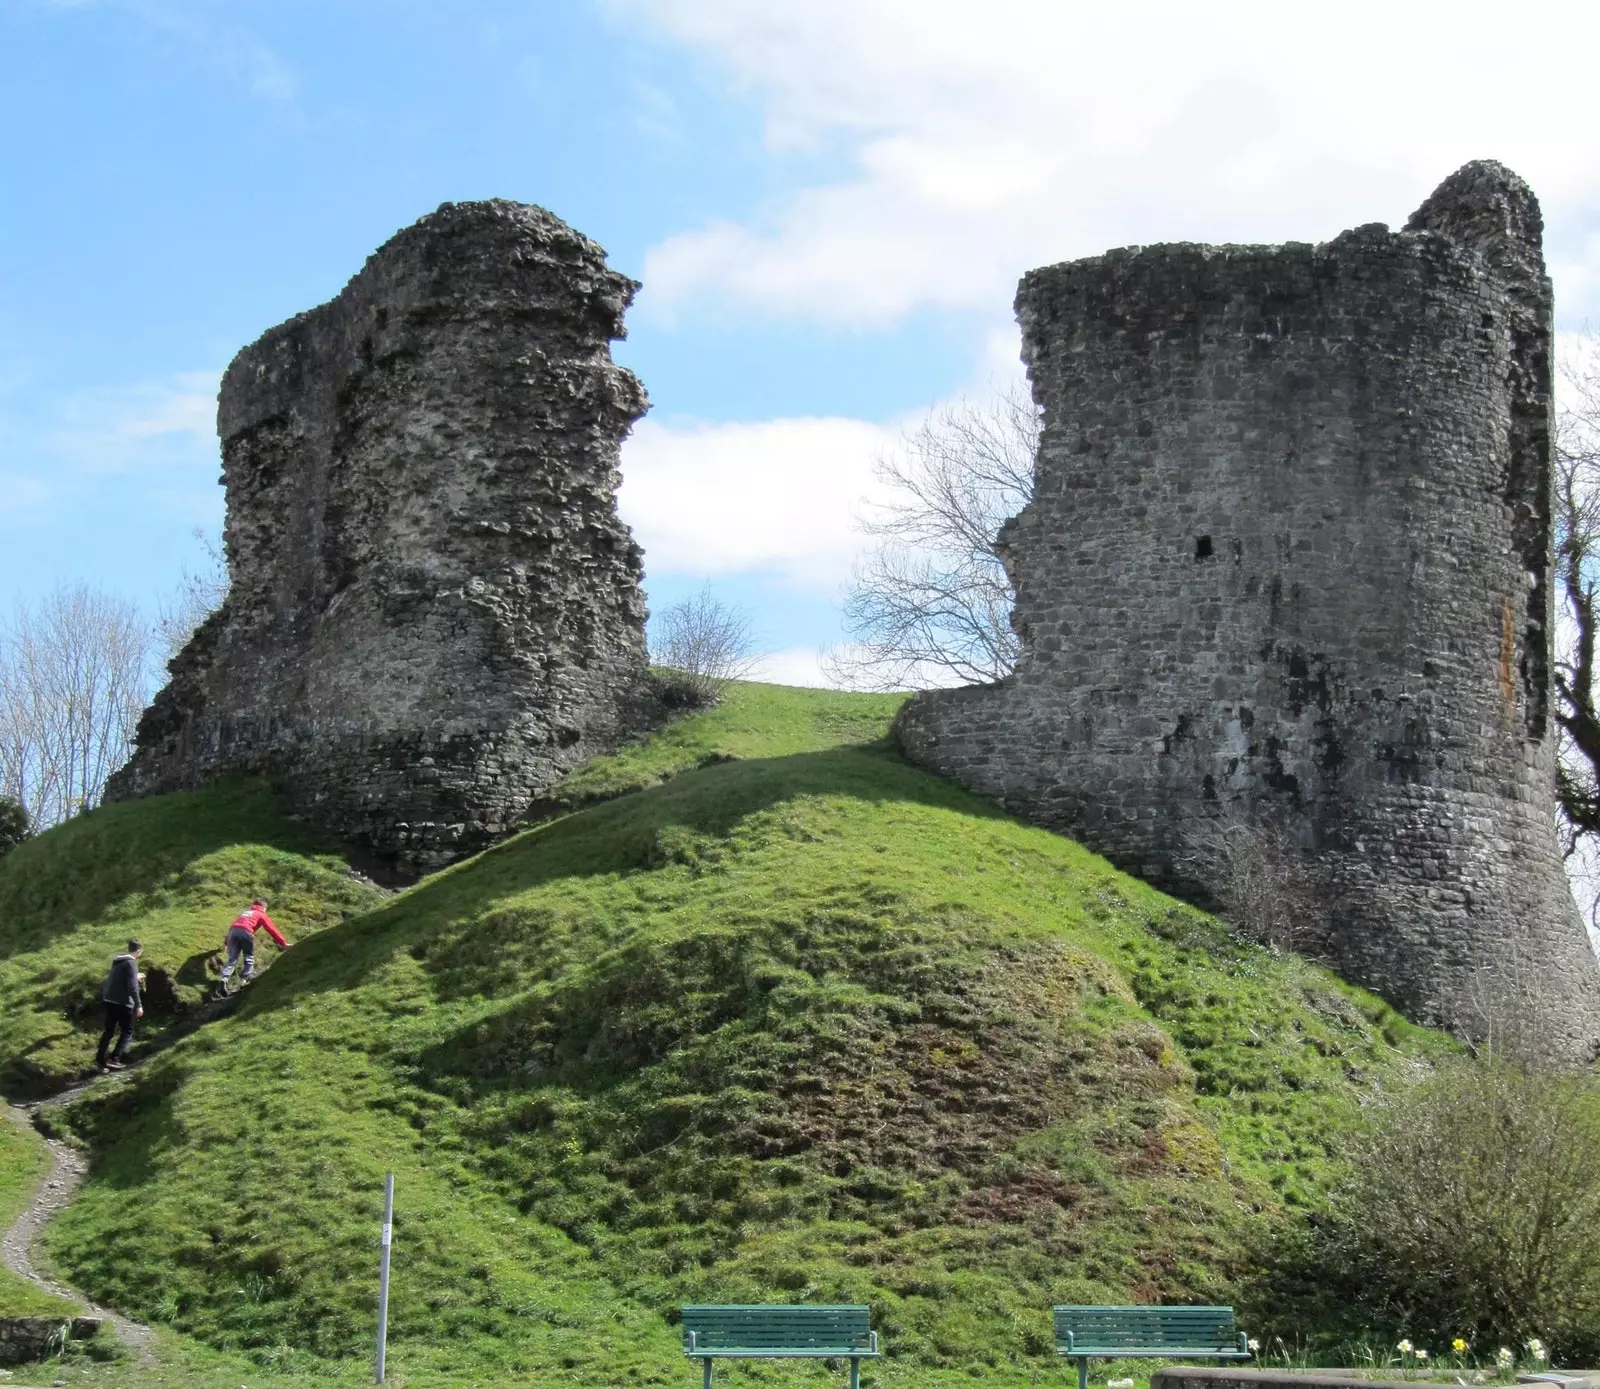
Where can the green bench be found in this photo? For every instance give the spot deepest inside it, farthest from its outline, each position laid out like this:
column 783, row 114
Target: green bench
column 1145, row 1333
column 748, row 1333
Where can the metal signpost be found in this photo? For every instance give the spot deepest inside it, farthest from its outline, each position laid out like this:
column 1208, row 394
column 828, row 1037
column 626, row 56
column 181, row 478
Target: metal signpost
column 383, row 1271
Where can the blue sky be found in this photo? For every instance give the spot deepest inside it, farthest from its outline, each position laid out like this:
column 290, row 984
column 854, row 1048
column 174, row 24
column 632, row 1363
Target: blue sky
column 829, row 203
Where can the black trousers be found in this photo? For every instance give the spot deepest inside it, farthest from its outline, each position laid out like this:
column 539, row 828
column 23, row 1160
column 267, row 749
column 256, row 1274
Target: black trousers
column 119, row 1018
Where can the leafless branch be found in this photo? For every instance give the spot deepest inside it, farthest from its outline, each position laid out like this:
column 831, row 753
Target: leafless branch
column 701, row 644
column 931, row 602
column 73, row 679
column 1577, row 564
column 199, row 594
column 1265, row 884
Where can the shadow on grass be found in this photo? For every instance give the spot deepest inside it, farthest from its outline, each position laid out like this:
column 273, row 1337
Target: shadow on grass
column 130, row 1129
column 78, row 871
column 619, row 836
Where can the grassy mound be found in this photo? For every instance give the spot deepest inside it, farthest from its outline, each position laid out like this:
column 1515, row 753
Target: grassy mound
column 803, row 1026
column 172, row 872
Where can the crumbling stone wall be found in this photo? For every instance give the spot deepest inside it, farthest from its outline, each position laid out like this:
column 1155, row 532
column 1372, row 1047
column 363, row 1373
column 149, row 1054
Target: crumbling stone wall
column 1288, row 553
column 434, row 610
column 27, row 1340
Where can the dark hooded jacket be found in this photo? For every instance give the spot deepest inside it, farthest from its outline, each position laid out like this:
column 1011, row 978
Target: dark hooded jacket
column 122, row 984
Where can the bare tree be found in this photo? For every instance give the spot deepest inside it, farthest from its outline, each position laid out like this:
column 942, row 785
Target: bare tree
column 1577, row 457
column 199, row 594
column 1264, row 883
column 702, row 644
column 1577, row 553
column 73, row 680
column 931, row 602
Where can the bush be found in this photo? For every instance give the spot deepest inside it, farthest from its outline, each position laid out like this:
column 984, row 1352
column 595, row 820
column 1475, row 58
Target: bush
column 13, row 825
column 1472, row 1208
column 1263, row 882
column 702, row 645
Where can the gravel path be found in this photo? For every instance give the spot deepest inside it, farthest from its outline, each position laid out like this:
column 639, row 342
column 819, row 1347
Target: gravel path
column 59, row 1186
column 65, row 1176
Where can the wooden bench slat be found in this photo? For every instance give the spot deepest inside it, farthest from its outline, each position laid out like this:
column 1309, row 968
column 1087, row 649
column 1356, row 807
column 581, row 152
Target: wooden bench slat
column 752, row 1330
column 1163, row 1328
column 1143, row 1312
column 782, row 1353
column 1202, row 1336
column 778, row 1328
column 1128, row 1333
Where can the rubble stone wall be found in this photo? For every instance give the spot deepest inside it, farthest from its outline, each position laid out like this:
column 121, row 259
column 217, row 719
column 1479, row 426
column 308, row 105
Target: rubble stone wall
column 434, row 609
column 1288, row 556
column 27, row 1340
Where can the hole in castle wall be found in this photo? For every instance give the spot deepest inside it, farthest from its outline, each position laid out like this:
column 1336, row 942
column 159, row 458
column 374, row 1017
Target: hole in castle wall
column 1202, row 547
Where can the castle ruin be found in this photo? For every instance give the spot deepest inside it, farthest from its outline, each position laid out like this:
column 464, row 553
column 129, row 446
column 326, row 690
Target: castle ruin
column 1288, row 557
column 434, row 610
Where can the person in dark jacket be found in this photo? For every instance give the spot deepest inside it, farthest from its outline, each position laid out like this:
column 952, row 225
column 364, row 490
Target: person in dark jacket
column 121, row 998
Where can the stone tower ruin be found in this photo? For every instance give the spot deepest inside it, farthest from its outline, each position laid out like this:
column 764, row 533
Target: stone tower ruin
column 1288, row 557
column 434, row 610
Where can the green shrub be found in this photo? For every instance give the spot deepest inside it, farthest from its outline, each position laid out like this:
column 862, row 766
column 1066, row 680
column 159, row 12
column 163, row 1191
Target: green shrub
column 1472, row 1208
column 13, row 824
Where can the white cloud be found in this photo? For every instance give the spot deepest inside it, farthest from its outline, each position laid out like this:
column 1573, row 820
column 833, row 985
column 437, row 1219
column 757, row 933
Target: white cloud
column 217, row 45
column 775, row 496
column 22, row 498
column 57, row 447
column 798, row 665
column 811, row 668
column 168, row 425
column 656, row 115
column 980, row 140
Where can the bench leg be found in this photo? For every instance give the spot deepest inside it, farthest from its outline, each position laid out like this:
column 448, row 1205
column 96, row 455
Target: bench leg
column 1083, row 1371
column 855, row 1373
column 705, row 1373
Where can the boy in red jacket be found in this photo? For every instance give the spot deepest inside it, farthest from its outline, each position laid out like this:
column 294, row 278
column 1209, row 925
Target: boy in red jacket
column 241, row 939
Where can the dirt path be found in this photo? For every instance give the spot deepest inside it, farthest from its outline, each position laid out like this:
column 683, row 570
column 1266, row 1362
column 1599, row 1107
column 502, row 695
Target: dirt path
column 61, row 1183
column 57, row 1188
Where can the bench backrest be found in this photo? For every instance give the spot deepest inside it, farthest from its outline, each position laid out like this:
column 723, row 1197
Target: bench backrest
column 1210, row 1328
column 777, row 1328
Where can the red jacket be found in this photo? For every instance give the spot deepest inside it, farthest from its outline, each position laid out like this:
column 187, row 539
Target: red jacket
column 253, row 920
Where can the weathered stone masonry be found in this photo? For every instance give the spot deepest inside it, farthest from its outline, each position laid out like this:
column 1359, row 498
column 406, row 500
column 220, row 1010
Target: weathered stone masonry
column 434, row 609
column 1289, row 550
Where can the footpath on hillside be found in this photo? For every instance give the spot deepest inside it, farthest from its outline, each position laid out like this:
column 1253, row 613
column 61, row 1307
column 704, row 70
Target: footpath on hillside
column 61, row 1182
column 55, row 1190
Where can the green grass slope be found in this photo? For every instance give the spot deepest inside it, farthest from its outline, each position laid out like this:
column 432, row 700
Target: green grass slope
column 172, row 872
column 23, row 1162
column 803, row 1026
